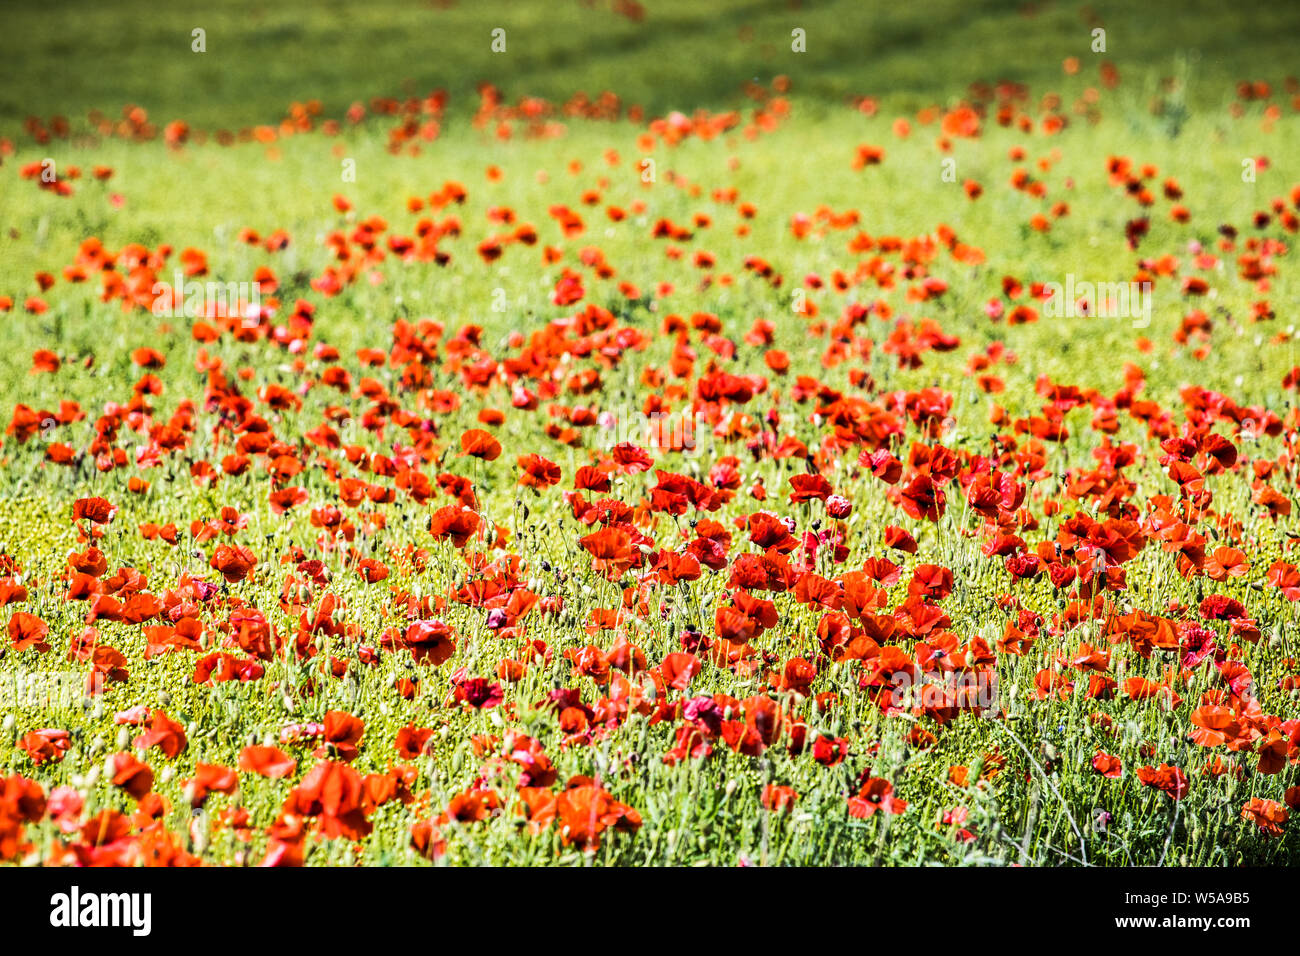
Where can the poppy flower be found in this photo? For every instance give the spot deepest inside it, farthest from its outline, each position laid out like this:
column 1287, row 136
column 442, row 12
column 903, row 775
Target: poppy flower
column 778, row 798
column 612, row 550
column 413, row 741
column 234, row 562
column 900, row 539
column 1269, row 815
column 333, row 793
column 426, row 839
column 480, row 444
column 584, row 813
column 164, row 733
column 44, row 746
column 266, row 761
column 94, row 510
column 342, row 733
column 829, row 751
column 28, row 631
column 477, row 692
column 1107, row 765
column 455, row 523
column 589, row 478
column 875, row 795
column 131, row 775
column 809, row 488
column 538, row 472
column 1170, row 780
column 430, row 641
column 678, row 669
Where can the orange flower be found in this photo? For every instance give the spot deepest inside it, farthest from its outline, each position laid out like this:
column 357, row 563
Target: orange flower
column 266, row 761
column 586, row 811
column 480, row 444
column 1268, row 815
column 538, row 472
column 234, row 562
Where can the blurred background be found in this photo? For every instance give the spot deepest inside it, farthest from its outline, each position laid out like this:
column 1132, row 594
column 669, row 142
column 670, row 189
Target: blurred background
column 68, row 57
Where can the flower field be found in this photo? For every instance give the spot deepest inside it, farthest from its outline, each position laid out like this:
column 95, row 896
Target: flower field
column 550, row 460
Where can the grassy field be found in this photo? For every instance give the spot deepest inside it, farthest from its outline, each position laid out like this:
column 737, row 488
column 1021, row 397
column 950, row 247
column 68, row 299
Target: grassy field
column 68, row 58
column 826, row 286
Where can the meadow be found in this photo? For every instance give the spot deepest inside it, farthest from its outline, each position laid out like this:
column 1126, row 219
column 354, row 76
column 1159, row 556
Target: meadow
column 650, row 444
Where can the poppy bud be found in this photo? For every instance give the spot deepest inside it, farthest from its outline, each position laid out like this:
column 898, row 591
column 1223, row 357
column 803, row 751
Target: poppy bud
column 199, row 830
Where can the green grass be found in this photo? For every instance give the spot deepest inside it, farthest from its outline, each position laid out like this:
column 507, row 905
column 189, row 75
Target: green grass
column 67, row 58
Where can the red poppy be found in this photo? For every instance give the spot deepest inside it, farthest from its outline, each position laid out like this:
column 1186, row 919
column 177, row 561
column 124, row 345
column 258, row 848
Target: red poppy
column 266, row 761
column 234, row 562
column 133, row 776
column 164, row 733
column 538, row 472
column 342, row 734
column 430, row 641
column 586, row 812
column 1171, row 780
column 875, row 794
column 455, row 523
column 28, row 631
column 1269, row 815
column 480, row 444
column 44, row 746
column 333, row 793
column 1107, row 765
